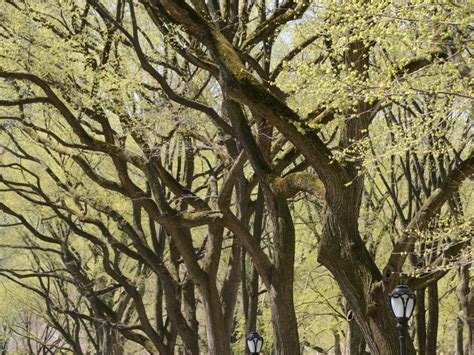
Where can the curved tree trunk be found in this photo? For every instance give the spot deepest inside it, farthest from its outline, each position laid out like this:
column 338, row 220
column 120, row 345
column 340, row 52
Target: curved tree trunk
column 342, row 251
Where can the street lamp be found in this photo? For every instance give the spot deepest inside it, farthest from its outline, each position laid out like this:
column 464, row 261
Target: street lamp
column 254, row 343
column 402, row 302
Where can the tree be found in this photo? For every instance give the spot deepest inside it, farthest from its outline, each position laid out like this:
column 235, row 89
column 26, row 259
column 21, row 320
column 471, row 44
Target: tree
column 250, row 122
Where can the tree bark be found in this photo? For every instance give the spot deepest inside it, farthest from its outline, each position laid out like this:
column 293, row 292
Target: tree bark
column 285, row 328
column 466, row 301
column 337, row 343
column 285, row 334
column 420, row 322
column 433, row 316
column 355, row 343
column 189, row 313
column 230, row 286
column 218, row 340
column 251, row 322
column 342, row 251
column 459, row 337
column 251, row 315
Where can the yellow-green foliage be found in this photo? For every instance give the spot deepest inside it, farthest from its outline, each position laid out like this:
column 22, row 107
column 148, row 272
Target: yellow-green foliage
column 417, row 88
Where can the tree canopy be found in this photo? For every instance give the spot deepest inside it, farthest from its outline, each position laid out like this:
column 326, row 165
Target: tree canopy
column 176, row 174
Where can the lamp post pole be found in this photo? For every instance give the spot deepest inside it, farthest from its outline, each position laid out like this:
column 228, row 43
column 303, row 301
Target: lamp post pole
column 402, row 327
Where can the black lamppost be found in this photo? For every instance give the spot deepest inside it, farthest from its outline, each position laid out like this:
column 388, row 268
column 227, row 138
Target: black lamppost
column 402, row 302
column 254, row 343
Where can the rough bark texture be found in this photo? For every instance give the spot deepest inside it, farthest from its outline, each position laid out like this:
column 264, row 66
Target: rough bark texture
column 343, row 253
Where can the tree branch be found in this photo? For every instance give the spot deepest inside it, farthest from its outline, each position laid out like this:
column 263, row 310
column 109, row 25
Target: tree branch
column 424, row 216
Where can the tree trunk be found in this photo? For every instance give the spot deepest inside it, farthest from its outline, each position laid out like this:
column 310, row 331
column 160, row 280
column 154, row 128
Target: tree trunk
column 285, row 334
column 285, row 326
column 117, row 343
column 251, row 317
column 245, row 288
column 355, row 343
column 189, row 313
column 420, row 322
column 251, row 321
column 433, row 315
column 337, row 343
column 459, row 337
column 230, row 286
column 466, row 302
column 249, row 295
column 343, row 252
column 218, row 340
